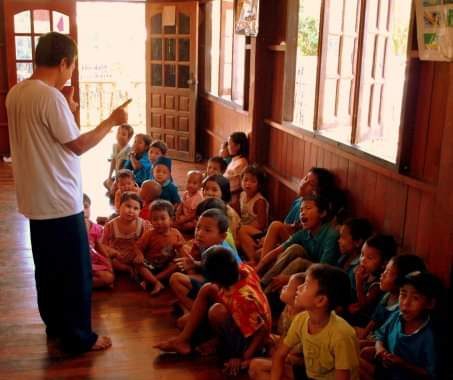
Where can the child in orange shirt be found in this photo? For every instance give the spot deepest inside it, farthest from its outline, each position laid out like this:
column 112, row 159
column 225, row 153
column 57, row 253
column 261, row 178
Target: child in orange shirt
column 149, row 192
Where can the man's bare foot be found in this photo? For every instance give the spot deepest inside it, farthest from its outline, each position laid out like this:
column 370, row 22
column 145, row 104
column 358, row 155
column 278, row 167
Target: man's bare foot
column 157, row 288
column 208, row 348
column 102, row 343
column 175, row 345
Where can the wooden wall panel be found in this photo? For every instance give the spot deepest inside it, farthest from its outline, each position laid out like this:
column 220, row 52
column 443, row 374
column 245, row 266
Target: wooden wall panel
column 4, row 138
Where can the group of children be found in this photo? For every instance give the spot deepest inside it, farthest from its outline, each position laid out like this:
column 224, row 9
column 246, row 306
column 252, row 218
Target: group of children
column 313, row 297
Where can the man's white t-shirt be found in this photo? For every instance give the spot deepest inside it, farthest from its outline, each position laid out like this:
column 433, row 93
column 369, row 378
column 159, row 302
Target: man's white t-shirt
column 47, row 173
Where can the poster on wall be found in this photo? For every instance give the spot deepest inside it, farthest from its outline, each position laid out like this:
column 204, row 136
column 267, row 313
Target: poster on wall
column 435, row 29
column 247, row 17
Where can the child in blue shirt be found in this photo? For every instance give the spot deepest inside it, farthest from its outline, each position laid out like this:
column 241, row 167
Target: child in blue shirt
column 162, row 174
column 157, row 149
column 138, row 158
column 405, row 345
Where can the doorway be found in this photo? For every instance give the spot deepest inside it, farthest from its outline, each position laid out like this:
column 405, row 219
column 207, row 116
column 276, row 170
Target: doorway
column 111, row 42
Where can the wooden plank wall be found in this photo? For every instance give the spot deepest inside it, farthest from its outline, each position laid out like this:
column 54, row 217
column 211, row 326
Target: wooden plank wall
column 4, row 139
column 416, row 208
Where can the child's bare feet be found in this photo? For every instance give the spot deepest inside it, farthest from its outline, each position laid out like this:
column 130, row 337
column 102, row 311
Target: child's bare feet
column 175, row 345
column 157, row 288
column 102, row 343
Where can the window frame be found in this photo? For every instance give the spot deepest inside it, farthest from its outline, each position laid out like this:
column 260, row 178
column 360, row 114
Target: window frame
column 350, row 146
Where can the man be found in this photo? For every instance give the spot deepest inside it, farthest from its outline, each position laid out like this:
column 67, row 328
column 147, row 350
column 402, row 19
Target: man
column 45, row 145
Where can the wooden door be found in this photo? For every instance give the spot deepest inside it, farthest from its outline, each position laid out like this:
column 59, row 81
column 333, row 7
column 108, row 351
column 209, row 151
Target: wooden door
column 25, row 22
column 171, row 71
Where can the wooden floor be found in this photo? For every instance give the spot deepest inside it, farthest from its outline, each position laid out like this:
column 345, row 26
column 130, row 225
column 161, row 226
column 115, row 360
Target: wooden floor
column 133, row 320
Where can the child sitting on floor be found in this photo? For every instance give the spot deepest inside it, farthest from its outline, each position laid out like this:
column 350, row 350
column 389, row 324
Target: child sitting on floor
column 406, row 346
column 216, row 166
column 353, row 234
column 260, row 368
column 162, row 174
column 121, row 234
column 391, row 279
column 149, row 192
column 330, row 346
column 224, row 153
column 185, row 213
column 161, row 244
column 254, row 211
column 156, row 149
column 125, row 182
column 101, row 265
column 376, row 252
column 236, row 308
column 120, row 154
column 211, row 230
column 217, row 186
column 138, row 158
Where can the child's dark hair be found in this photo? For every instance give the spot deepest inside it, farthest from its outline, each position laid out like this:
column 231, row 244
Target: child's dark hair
column 240, row 138
column 125, row 173
column 162, row 205
column 322, row 204
column 130, row 195
column 86, row 199
column 385, row 244
column 258, row 173
column 359, row 228
column 128, row 128
column 53, row 47
column 210, row 203
column 299, row 277
column 325, row 179
column 424, row 283
column 223, row 183
column 219, row 217
column 146, row 139
column 159, row 144
column 220, row 266
column 219, row 160
column 333, row 283
column 406, row 264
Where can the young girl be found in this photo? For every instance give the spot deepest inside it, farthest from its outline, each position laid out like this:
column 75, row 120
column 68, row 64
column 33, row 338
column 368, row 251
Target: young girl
column 120, row 237
column 376, row 252
column 120, row 153
column 224, row 153
column 125, row 182
column 254, row 211
column 101, row 264
column 217, row 186
column 185, row 213
column 260, row 368
column 406, row 346
column 138, row 158
column 391, row 279
column 238, row 148
column 161, row 244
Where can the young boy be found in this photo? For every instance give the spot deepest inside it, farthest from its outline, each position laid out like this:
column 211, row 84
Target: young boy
column 330, row 346
column 149, row 192
column 162, row 174
column 211, row 230
column 236, row 308
column 216, row 166
column 138, row 158
column 405, row 344
column 120, row 154
column 156, row 149
column 162, row 243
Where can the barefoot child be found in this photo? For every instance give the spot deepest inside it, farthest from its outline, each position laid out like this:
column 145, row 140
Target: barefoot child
column 125, row 182
column 161, row 244
column 149, row 192
column 329, row 343
column 191, row 198
column 120, row 237
column 254, row 211
column 101, row 265
column 236, row 308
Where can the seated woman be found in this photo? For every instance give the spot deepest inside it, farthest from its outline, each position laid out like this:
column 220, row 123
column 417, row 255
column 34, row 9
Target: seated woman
column 317, row 180
column 317, row 242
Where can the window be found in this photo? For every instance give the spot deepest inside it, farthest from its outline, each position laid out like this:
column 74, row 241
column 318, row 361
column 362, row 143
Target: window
column 226, row 53
column 362, row 71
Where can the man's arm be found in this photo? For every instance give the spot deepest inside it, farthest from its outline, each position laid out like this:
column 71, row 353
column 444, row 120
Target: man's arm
column 91, row 138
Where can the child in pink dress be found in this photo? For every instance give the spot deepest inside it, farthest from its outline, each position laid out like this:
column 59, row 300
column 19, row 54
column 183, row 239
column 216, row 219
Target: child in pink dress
column 238, row 149
column 191, row 198
column 101, row 264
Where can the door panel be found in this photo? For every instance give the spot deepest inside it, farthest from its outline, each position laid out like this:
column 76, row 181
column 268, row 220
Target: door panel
column 171, row 51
